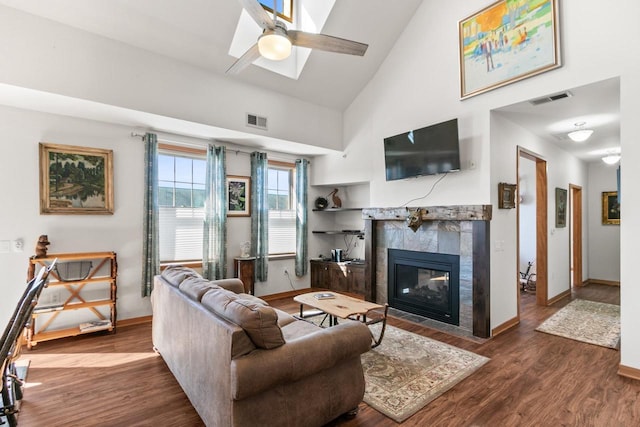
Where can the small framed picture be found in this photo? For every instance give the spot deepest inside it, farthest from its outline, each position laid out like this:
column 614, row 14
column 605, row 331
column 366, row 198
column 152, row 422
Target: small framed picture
column 610, row 208
column 506, row 195
column 561, row 207
column 239, row 195
column 75, row 180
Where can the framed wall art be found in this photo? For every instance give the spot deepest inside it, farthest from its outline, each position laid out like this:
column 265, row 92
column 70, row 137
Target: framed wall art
column 506, row 195
column 239, row 195
column 610, row 208
column 561, row 207
column 75, row 180
column 507, row 41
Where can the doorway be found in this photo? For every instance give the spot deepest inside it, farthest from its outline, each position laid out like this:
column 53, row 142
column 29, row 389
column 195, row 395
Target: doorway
column 575, row 240
column 532, row 171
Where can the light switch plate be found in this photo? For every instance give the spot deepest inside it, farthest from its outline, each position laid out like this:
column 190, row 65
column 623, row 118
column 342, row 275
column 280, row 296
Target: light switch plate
column 5, row 246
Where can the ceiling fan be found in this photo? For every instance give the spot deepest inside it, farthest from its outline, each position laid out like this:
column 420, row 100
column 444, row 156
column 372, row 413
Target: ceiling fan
column 276, row 41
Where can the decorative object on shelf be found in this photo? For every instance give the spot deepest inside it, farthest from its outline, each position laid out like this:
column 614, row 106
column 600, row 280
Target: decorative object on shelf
column 41, row 246
column 506, row 42
column 239, row 191
column 75, row 180
column 414, row 220
column 321, row 203
column 73, row 271
column 245, row 249
column 610, row 208
column 561, row 207
column 506, row 195
column 337, row 203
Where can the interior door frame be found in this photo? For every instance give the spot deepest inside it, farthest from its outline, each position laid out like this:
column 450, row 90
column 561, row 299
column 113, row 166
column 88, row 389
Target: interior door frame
column 542, row 225
column 576, row 233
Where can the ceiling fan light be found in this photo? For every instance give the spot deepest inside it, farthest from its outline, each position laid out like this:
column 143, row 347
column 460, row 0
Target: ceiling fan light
column 611, row 159
column 274, row 46
column 580, row 135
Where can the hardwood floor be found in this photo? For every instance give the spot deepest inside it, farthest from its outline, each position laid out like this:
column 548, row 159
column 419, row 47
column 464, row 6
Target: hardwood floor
column 533, row 379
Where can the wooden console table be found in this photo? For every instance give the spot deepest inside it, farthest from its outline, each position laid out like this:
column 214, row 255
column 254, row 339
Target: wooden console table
column 245, row 270
column 96, row 276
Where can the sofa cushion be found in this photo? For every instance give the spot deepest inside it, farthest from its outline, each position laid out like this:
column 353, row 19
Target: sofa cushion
column 196, row 287
column 259, row 321
column 252, row 298
column 175, row 274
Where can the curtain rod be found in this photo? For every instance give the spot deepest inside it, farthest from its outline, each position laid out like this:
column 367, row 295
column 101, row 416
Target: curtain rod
column 232, row 149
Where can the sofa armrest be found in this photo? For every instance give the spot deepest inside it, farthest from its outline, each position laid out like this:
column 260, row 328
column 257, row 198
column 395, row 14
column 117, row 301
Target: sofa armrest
column 234, row 285
column 301, row 357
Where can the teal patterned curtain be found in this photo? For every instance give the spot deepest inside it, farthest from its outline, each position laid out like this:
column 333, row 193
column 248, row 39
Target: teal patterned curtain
column 214, row 245
column 259, row 214
column 302, row 167
column 150, row 249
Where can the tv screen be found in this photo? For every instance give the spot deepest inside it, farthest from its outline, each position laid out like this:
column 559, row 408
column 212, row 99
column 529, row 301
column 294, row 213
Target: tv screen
column 427, row 151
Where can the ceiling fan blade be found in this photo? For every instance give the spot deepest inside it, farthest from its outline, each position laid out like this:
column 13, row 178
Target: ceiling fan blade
column 257, row 12
column 327, row 43
column 245, row 60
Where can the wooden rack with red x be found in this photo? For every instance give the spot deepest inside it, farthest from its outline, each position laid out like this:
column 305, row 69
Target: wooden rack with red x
column 96, row 275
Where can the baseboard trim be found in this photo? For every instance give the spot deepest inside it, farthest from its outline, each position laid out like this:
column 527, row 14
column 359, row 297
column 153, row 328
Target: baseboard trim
column 628, row 372
column 511, row 323
column 558, row 297
column 133, row 321
column 602, row 282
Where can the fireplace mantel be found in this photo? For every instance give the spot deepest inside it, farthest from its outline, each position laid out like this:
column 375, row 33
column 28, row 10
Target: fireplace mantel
column 431, row 213
column 476, row 218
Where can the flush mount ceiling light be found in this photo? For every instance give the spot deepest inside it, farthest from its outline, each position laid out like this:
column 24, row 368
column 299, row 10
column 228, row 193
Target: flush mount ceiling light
column 611, row 159
column 580, row 134
column 274, row 43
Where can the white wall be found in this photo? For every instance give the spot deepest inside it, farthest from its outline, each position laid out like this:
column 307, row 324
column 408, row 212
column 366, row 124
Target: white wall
column 527, row 206
column 604, row 256
column 21, row 132
column 121, row 232
column 52, row 57
column 419, row 84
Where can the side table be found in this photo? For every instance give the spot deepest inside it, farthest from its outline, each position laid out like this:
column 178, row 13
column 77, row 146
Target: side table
column 244, row 269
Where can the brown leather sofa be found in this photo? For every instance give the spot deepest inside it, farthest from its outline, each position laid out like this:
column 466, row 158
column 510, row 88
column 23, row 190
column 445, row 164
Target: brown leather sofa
column 244, row 363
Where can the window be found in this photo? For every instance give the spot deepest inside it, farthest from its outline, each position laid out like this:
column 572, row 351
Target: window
column 283, row 7
column 181, row 197
column 282, row 214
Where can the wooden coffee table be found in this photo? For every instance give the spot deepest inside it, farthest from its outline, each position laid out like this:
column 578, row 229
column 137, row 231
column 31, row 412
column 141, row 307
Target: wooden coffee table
column 342, row 306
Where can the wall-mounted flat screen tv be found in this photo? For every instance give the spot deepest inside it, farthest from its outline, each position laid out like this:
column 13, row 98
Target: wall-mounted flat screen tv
column 430, row 150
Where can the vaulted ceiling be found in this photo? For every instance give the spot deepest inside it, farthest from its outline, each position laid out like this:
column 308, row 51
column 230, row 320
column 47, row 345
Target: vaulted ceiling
column 199, row 32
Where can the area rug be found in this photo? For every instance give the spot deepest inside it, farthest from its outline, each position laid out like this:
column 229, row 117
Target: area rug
column 407, row 371
column 587, row 321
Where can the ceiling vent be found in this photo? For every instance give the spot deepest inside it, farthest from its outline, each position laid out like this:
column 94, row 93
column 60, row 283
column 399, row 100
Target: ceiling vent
column 256, row 121
column 551, row 98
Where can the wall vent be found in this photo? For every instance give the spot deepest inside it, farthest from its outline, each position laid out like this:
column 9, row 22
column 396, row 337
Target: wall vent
column 256, row 121
column 551, row 98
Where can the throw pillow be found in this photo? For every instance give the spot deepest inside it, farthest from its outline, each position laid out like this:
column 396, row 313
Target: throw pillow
column 259, row 321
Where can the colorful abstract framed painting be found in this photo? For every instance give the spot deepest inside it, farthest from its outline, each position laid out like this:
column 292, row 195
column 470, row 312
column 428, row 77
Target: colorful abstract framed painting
column 239, row 195
column 75, row 180
column 507, row 41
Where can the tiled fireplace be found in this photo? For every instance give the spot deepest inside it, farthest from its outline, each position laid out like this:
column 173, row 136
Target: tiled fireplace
column 458, row 233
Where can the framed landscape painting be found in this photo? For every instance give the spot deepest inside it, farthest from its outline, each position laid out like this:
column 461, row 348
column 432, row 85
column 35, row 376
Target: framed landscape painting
column 239, row 195
column 610, row 208
column 507, row 41
column 75, row 180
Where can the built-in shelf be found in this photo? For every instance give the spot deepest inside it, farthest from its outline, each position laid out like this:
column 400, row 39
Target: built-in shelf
column 337, row 209
column 350, row 232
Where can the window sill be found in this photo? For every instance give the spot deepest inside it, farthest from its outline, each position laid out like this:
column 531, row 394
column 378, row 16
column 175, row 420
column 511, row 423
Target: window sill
column 277, row 257
column 190, row 264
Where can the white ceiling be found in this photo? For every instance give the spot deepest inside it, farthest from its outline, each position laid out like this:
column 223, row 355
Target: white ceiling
column 199, row 32
column 597, row 104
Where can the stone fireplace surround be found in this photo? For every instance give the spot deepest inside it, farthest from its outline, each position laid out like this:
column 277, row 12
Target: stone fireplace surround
column 459, row 230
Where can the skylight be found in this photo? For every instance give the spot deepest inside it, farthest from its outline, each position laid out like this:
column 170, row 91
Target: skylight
column 283, row 7
column 309, row 16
